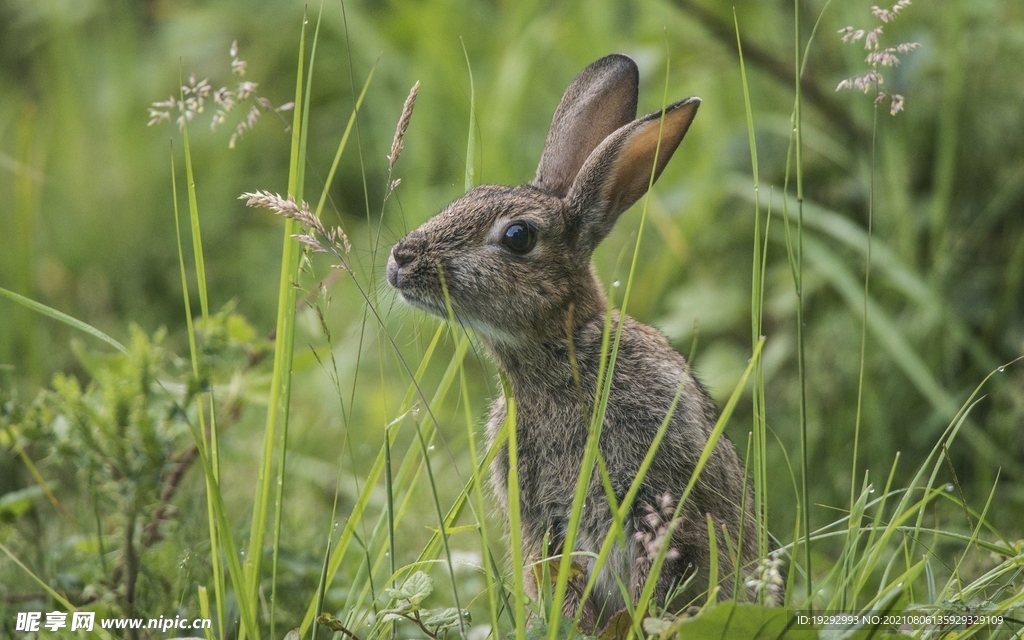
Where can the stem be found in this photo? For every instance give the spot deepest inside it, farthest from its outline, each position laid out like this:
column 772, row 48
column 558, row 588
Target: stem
column 131, row 568
column 801, row 368
column 864, row 323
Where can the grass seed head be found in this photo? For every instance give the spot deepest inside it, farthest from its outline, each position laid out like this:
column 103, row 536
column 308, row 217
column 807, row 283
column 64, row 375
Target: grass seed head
column 403, row 126
column 878, row 57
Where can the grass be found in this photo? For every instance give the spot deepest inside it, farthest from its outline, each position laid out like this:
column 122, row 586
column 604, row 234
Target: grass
column 402, row 383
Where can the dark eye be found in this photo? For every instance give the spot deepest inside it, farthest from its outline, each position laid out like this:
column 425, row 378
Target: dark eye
column 519, row 237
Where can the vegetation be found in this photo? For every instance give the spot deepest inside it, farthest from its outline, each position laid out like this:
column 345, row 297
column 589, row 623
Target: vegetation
column 265, row 437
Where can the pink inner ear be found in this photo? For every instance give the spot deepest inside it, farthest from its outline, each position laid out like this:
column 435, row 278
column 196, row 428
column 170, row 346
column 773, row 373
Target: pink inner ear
column 631, row 170
column 631, row 175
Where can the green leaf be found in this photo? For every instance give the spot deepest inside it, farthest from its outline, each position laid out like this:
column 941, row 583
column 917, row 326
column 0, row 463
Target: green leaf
column 415, row 588
column 731, row 620
column 329, row 621
column 392, row 615
column 656, row 626
column 442, row 619
column 15, row 503
column 239, row 329
column 620, row 627
column 538, row 630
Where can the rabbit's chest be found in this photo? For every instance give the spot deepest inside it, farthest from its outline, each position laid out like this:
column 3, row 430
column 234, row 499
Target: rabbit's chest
column 550, row 444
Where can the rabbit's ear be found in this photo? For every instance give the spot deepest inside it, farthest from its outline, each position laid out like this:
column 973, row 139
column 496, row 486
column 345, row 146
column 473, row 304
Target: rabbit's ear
column 601, row 99
column 622, row 168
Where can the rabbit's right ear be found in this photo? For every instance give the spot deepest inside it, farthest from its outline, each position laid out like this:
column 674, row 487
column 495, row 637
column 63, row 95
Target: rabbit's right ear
column 599, row 101
column 622, row 168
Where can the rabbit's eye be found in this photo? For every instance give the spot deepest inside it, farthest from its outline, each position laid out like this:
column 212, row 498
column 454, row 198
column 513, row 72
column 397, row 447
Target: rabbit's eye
column 519, row 237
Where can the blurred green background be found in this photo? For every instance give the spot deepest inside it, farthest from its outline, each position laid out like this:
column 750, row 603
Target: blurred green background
column 86, row 221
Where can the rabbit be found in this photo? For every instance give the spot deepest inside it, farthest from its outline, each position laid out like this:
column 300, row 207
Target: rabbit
column 515, row 265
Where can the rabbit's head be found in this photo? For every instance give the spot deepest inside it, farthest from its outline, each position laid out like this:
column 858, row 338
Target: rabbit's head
column 515, row 262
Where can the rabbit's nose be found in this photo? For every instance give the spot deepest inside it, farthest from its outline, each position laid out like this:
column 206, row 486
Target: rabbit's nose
column 402, row 254
column 393, row 268
column 406, row 249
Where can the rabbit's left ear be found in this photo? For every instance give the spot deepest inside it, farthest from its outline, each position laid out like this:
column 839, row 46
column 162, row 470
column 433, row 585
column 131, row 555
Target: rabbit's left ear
column 600, row 99
column 622, row 168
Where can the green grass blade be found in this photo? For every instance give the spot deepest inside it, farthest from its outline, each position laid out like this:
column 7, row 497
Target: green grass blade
column 514, row 517
column 204, row 610
column 337, row 554
column 798, row 269
column 280, row 386
column 756, row 319
column 210, row 449
column 246, row 608
column 103, row 633
column 953, row 586
column 60, row 316
column 875, row 527
column 713, row 568
column 26, row 207
column 492, row 578
column 343, row 143
column 197, row 238
column 288, row 340
column 216, row 560
column 471, row 137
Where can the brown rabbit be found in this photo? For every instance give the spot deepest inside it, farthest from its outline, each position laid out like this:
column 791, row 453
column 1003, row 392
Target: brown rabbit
column 516, row 264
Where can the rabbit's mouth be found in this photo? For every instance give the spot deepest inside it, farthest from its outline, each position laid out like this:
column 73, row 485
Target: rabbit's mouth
column 438, row 308
column 425, row 303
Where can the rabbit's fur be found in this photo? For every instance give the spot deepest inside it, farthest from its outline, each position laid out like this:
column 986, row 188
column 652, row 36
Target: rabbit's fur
column 541, row 314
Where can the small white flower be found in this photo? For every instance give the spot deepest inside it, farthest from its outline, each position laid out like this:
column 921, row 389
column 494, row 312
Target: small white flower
column 252, row 118
column 896, row 105
column 245, row 89
column 767, row 577
column 884, row 58
column 195, row 92
column 156, row 117
column 853, row 35
column 878, row 57
column 871, row 39
column 224, row 98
